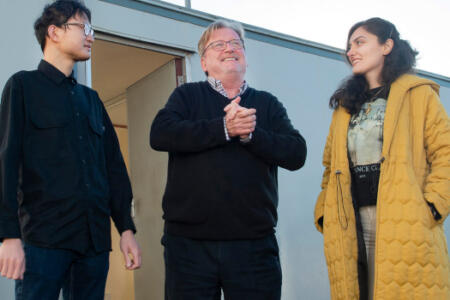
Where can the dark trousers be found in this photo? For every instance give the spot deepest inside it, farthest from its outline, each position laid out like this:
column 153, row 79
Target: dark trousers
column 47, row 271
column 199, row 269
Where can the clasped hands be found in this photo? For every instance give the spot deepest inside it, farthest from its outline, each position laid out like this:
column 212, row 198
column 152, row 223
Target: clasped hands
column 240, row 121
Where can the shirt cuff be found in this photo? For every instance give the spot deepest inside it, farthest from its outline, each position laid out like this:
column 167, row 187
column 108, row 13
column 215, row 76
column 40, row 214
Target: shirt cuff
column 9, row 229
column 247, row 139
column 225, row 128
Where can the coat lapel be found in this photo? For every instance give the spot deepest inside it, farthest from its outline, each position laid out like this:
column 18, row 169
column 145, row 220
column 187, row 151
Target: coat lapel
column 343, row 118
column 395, row 101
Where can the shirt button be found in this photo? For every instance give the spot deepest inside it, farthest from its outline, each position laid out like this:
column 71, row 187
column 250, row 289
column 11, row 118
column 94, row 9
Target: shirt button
column 88, row 185
column 80, row 137
column 77, row 114
column 83, row 161
column 72, row 92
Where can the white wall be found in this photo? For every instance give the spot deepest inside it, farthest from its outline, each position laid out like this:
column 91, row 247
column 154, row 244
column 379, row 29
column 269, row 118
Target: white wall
column 303, row 82
column 19, row 48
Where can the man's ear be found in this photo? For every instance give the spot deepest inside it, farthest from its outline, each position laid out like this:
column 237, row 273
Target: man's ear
column 388, row 46
column 53, row 33
column 203, row 63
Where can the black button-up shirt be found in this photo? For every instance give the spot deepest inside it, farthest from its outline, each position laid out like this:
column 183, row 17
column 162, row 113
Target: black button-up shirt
column 62, row 174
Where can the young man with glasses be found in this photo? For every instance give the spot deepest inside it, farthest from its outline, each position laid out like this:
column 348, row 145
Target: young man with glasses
column 225, row 142
column 62, row 175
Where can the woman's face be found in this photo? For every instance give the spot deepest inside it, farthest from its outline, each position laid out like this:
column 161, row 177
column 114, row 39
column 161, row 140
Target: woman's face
column 366, row 54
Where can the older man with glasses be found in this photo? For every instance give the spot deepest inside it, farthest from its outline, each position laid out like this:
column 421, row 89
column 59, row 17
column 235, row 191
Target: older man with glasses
column 225, row 142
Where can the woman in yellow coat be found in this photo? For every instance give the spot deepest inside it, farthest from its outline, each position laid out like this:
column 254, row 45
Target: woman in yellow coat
column 386, row 186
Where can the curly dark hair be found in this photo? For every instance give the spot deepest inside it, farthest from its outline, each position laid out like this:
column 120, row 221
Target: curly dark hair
column 57, row 14
column 351, row 94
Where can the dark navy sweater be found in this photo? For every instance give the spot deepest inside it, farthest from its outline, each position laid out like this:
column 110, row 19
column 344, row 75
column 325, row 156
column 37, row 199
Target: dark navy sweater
column 218, row 189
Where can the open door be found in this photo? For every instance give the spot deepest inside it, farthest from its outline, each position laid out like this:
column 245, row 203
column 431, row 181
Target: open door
column 148, row 174
column 134, row 80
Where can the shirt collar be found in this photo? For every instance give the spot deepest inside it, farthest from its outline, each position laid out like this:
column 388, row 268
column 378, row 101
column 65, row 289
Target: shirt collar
column 216, row 84
column 53, row 73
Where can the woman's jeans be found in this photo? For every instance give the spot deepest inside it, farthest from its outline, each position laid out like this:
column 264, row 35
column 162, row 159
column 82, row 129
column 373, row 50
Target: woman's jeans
column 369, row 226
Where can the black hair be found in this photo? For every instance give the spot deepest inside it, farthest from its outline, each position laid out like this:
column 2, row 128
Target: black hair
column 352, row 92
column 57, row 13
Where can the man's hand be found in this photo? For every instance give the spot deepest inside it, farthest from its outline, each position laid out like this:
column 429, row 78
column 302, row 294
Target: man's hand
column 240, row 121
column 12, row 259
column 243, row 124
column 129, row 246
column 232, row 109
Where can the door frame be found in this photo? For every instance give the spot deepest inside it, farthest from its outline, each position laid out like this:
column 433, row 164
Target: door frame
column 83, row 70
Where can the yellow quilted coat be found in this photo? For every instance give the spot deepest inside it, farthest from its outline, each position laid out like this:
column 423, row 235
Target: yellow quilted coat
column 411, row 256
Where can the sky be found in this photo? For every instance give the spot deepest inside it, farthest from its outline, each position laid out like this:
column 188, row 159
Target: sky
column 425, row 24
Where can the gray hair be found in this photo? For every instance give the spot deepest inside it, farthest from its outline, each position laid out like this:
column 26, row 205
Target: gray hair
column 219, row 24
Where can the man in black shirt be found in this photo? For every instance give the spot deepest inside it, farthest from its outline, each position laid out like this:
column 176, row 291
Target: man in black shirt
column 225, row 142
column 62, row 175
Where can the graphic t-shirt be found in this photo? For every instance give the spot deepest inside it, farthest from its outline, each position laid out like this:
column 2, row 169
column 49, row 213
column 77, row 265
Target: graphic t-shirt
column 365, row 142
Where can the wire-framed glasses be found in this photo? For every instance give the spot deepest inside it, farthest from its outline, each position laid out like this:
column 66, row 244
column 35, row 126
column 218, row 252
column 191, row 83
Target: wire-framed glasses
column 87, row 28
column 221, row 45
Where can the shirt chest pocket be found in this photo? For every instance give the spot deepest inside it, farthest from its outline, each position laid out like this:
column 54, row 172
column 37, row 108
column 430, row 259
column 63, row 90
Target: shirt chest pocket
column 96, row 132
column 96, row 125
column 48, row 135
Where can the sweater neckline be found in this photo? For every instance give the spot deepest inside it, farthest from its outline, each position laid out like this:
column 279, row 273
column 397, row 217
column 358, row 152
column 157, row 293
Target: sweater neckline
column 244, row 95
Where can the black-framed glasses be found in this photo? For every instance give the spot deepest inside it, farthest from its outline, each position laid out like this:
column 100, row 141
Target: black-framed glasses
column 220, row 45
column 87, row 28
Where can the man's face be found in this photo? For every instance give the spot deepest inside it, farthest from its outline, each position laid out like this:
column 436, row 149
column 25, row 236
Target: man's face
column 230, row 61
column 74, row 43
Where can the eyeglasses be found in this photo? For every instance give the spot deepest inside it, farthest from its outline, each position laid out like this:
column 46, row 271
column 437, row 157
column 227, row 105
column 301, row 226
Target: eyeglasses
column 87, row 28
column 220, row 45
